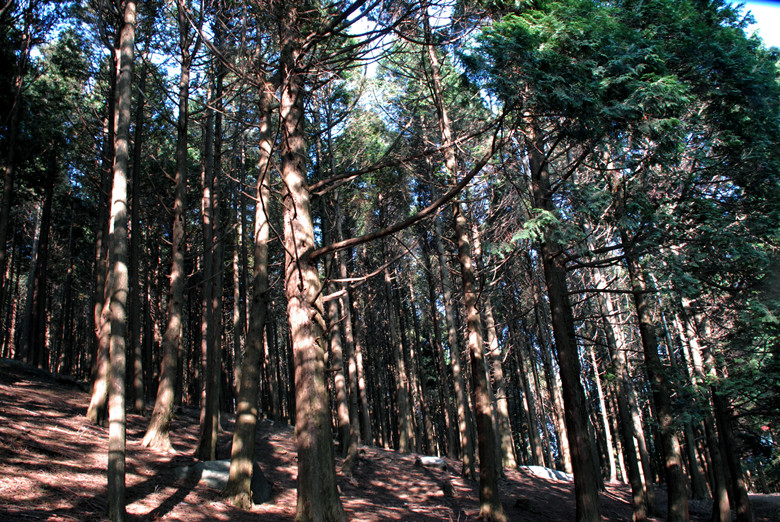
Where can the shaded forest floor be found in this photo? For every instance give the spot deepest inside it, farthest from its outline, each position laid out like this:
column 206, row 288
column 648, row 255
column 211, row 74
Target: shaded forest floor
column 53, row 461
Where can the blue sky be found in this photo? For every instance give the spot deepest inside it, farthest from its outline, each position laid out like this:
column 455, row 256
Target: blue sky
column 767, row 15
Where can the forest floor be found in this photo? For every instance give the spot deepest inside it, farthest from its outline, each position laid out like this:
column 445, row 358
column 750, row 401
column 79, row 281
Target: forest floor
column 53, row 462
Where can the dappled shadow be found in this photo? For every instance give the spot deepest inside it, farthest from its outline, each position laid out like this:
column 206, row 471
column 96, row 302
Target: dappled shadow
column 53, row 467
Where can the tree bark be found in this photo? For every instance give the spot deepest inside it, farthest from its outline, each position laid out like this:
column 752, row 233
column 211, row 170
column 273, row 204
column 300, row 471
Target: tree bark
column 586, row 477
column 490, row 507
column 616, row 346
column 158, row 433
column 318, row 497
column 134, row 324
column 463, row 409
column 97, row 412
column 721, row 509
column 119, row 272
column 503, row 426
column 445, row 397
column 523, row 354
column 661, row 390
column 209, row 405
column 238, row 490
column 401, row 377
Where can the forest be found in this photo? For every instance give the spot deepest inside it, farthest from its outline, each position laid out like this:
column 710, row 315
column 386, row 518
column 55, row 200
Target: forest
column 508, row 232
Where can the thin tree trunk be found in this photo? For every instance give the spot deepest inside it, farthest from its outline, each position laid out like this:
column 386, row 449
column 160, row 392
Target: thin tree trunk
column 524, row 357
column 134, row 324
column 119, row 273
column 209, row 404
column 608, row 444
column 490, row 503
column 35, row 346
column 158, row 433
column 721, row 509
column 616, row 346
column 401, row 378
column 365, row 409
column 349, row 342
column 675, row 479
column 337, row 367
column 238, row 489
column 586, row 477
column 739, row 485
column 463, row 410
column 445, row 397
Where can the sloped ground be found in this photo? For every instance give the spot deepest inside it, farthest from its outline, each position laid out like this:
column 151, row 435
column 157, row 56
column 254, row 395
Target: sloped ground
column 53, row 461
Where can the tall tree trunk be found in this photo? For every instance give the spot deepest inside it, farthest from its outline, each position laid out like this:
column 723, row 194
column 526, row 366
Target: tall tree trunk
column 661, row 389
column 400, row 374
column 721, row 509
column 34, row 345
column 9, row 172
column 740, row 499
column 506, row 444
column 97, row 411
column 603, row 416
column 26, row 329
column 445, row 397
column 119, row 272
column 490, row 503
column 209, row 405
column 616, row 346
column 337, row 367
column 524, row 356
column 551, row 378
column 158, row 433
column 364, row 406
column 318, row 497
column 463, row 409
column 134, row 325
column 238, row 489
column 586, row 476
column 350, row 345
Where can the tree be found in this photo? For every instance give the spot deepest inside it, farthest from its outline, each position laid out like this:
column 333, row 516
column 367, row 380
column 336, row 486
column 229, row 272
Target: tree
column 119, row 276
column 157, row 434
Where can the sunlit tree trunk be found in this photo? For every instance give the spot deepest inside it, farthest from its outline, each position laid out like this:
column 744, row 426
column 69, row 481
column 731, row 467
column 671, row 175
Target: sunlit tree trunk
column 609, row 446
column 318, row 497
column 461, row 400
column 119, row 272
column 97, row 411
column 490, row 504
column 238, row 489
column 503, row 426
column 158, row 433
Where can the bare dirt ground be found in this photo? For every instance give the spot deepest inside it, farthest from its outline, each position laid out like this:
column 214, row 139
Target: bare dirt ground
column 53, row 462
